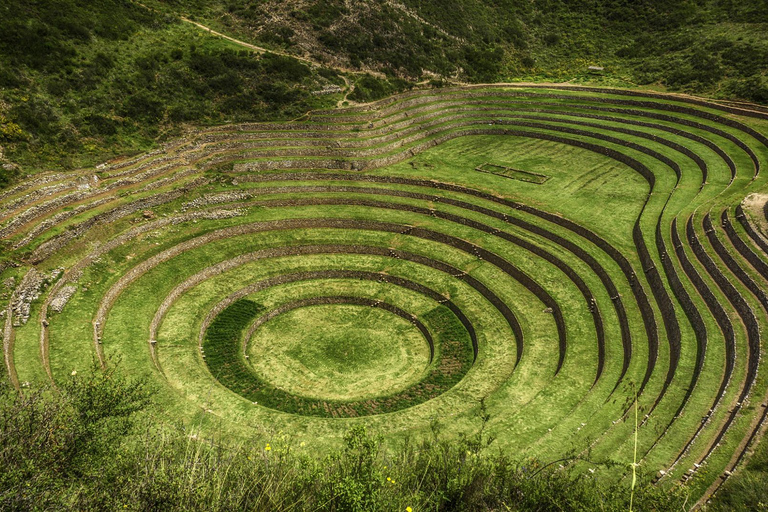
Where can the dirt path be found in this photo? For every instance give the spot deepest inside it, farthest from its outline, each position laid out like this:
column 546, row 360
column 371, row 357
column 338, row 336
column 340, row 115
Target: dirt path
column 262, row 50
column 350, row 89
column 257, row 49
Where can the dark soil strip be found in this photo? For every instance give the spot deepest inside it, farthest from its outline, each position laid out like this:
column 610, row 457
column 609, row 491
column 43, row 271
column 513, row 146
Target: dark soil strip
column 560, row 264
column 644, row 305
column 223, row 357
column 723, row 321
column 748, row 318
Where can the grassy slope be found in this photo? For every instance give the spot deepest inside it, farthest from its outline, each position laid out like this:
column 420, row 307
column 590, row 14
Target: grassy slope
column 339, row 351
column 746, row 489
column 80, row 84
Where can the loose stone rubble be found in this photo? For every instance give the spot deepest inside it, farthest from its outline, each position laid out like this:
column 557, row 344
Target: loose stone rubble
column 28, row 290
column 61, row 299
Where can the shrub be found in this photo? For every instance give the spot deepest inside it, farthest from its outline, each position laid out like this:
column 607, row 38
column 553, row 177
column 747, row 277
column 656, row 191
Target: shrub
column 52, row 443
column 91, row 448
column 11, row 132
column 370, row 88
column 143, row 106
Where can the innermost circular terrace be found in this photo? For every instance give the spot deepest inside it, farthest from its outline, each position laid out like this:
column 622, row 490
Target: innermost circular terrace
column 339, row 352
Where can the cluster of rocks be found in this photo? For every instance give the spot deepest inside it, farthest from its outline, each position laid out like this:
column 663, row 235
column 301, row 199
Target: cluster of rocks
column 210, row 199
column 328, row 89
column 27, row 291
column 209, row 215
column 61, row 299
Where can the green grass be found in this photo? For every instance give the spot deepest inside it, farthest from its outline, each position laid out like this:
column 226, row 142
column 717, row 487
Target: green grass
column 349, row 358
column 569, row 247
column 515, row 174
column 339, row 352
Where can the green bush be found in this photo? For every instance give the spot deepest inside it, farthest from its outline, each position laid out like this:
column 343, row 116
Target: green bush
column 91, row 447
column 369, row 88
column 7, row 176
column 53, row 443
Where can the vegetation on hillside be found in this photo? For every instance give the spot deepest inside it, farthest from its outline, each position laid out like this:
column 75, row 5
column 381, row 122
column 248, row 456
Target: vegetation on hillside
column 94, row 447
column 81, row 82
column 712, row 47
column 746, row 490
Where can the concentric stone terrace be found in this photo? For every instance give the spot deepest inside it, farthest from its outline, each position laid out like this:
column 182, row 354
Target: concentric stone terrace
column 553, row 252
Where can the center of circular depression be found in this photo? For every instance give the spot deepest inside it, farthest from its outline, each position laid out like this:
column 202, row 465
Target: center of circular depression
column 339, row 352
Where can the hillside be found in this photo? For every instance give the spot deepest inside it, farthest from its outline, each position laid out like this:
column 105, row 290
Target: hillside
column 80, row 83
column 701, row 47
column 83, row 82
